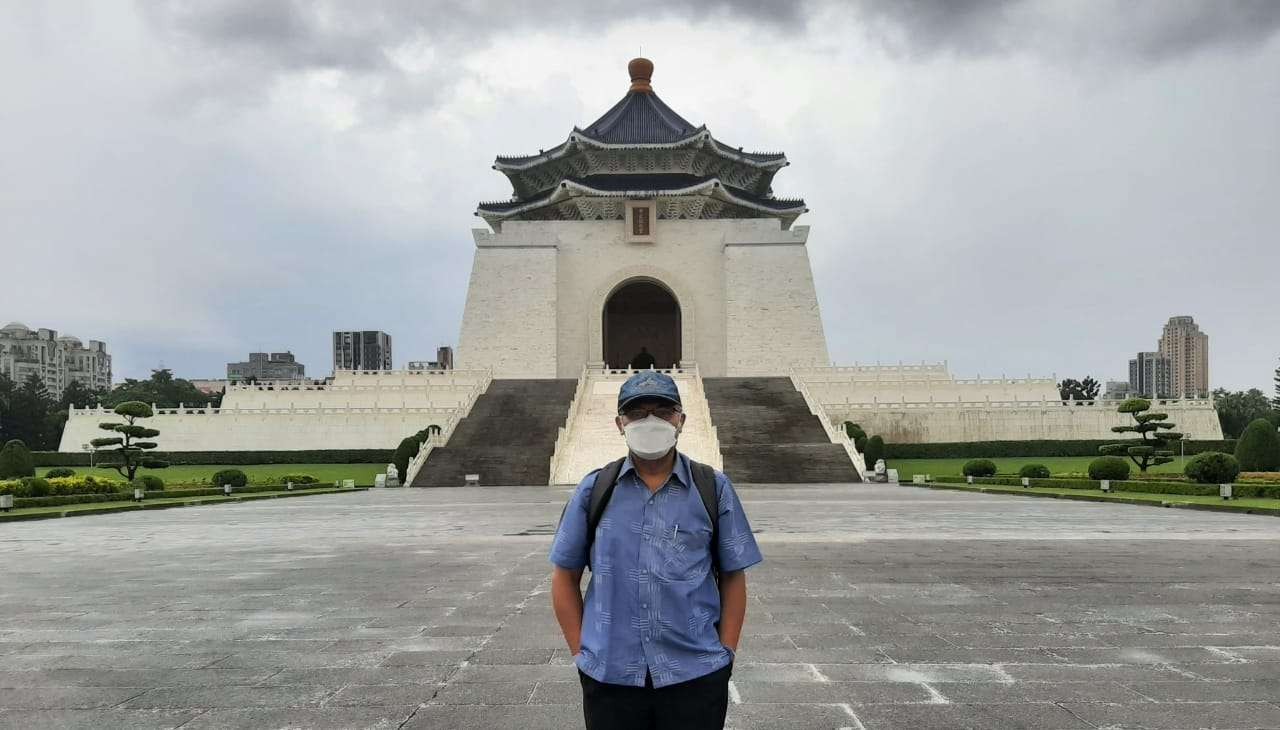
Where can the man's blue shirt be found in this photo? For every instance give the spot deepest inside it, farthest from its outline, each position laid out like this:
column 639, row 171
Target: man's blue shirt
column 653, row 605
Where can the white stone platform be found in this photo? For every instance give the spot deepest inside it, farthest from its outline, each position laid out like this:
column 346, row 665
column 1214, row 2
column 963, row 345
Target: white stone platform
column 590, row 439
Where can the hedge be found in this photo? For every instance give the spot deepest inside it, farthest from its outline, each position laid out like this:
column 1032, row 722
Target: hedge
column 231, row 458
column 1008, row 449
column 20, row 502
column 1145, row 486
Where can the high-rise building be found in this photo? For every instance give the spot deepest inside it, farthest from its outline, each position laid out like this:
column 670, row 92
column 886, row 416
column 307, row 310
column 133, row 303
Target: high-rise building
column 361, row 350
column 1151, row 375
column 267, row 366
column 1188, row 351
column 443, row 361
column 58, row 361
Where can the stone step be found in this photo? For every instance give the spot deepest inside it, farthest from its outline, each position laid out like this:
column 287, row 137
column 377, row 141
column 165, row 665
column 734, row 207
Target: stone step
column 507, row 438
column 788, row 464
column 768, row 435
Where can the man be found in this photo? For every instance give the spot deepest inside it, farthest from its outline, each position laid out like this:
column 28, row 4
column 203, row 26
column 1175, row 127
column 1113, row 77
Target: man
column 643, row 360
column 655, row 640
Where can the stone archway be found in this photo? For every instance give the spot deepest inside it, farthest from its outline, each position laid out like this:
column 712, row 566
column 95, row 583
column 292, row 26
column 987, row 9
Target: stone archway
column 641, row 315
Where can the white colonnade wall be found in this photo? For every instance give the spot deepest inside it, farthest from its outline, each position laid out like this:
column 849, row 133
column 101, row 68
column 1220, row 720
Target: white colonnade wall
column 352, row 410
column 924, row 404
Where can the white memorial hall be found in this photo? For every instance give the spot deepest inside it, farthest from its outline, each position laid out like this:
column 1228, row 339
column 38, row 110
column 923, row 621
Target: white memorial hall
column 640, row 240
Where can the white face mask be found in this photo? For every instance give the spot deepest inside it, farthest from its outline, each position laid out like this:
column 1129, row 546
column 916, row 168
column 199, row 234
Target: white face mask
column 650, row 438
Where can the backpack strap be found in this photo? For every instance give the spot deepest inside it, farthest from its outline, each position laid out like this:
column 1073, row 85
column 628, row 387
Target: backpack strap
column 704, row 477
column 601, row 491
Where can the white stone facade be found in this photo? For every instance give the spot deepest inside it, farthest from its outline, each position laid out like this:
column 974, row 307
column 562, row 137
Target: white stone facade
column 538, row 290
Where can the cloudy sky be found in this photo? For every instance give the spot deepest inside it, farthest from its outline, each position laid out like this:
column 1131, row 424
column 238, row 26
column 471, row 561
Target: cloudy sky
column 1016, row 187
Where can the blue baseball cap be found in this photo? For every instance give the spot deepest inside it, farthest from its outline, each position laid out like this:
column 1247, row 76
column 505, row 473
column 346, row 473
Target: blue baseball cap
column 648, row 384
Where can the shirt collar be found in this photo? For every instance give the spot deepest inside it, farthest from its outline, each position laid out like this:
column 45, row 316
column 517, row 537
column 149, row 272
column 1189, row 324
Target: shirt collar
column 681, row 470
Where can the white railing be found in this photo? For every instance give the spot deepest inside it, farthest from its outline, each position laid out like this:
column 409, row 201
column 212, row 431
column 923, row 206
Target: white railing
column 705, row 416
column 290, row 411
column 847, row 404
column 442, row 437
column 562, row 433
column 836, row 435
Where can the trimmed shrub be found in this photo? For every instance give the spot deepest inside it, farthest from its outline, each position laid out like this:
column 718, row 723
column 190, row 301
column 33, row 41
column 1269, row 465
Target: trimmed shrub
column 1035, row 471
column 1259, row 447
column 149, row 483
column 979, row 468
column 233, row 477
column 874, row 450
column 16, row 461
column 405, row 452
column 1113, row 468
column 297, row 479
column 59, row 471
column 1212, row 468
column 853, row 430
column 37, row 486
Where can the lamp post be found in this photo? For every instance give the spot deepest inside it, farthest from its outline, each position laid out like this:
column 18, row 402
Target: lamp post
column 89, row 448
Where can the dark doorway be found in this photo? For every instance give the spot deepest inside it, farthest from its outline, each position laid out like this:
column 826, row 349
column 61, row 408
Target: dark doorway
column 641, row 323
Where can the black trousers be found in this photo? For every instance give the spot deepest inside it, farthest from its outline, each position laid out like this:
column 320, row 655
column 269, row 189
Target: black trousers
column 698, row 704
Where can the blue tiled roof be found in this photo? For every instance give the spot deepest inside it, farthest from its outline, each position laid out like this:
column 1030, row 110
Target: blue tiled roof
column 640, row 118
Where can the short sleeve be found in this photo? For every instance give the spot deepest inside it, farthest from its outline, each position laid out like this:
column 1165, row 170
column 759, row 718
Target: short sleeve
column 569, row 549
column 737, row 549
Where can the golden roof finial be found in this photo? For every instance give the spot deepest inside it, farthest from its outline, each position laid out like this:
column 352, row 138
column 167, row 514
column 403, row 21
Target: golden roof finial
column 641, row 70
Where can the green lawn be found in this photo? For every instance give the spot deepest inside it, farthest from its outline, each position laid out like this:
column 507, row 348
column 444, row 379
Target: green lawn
column 1057, row 465
column 257, row 473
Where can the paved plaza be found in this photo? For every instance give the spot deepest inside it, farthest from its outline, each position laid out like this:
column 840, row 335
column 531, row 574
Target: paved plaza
column 876, row 607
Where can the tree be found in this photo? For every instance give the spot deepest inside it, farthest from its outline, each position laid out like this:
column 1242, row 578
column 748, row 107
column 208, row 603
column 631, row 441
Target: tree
column 80, row 395
column 161, row 389
column 1239, row 409
column 405, row 452
column 27, row 416
column 15, row 460
column 128, row 455
column 1259, row 447
column 1156, row 433
column 1275, row 402
column 1072, row 389
column 875, row 450
column 7, row 389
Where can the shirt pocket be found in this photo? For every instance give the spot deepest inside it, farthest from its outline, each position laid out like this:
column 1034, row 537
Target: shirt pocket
column 686, row 554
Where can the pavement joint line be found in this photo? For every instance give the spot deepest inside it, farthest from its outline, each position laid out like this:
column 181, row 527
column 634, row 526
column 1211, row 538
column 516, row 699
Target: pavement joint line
column 857, row 723
column 935, row 697
column 817, row 675
column 734, row 697
column 1082, row 720
column 1233, row 658
column 1181, row 672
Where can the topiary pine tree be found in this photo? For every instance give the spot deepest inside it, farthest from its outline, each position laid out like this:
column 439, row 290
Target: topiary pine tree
column 1156, row 434
column 130, row 453
column 1259, row 447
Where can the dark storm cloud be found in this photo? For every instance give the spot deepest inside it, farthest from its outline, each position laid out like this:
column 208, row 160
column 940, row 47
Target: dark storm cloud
column 1149, row 30
column 355, row 36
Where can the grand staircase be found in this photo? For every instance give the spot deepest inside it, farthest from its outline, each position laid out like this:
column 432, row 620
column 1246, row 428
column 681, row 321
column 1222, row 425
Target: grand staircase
column 507, row 438
column 768, row 435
